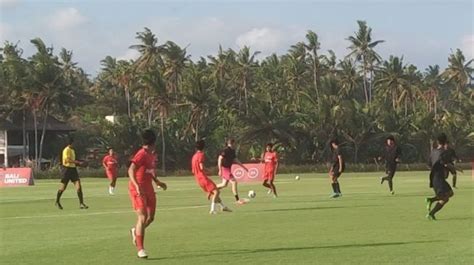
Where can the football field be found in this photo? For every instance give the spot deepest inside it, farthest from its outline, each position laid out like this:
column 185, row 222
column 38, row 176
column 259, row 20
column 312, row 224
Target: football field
column 303, row 226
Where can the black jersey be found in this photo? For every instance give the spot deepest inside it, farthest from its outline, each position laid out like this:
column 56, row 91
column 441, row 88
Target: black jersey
column 229, row 156
column 391, row 154
column 439, row 171
column 335, row 159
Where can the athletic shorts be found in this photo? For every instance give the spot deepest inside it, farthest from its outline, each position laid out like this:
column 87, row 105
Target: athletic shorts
column 227, row 174
column 442, row 188
column 268, row 175
column 390, row 170
column 335, row 172
column 111, row 174
column 146, row 201
column 207, row 185
column 69, row 174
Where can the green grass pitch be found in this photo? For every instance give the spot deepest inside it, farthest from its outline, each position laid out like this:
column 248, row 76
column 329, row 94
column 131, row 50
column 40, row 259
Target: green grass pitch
column 303, row 226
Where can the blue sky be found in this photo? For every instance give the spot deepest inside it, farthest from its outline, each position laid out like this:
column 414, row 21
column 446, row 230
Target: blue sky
column 423, row 31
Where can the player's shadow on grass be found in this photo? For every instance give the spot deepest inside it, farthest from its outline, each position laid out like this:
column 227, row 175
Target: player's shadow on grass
column 227, row 252
column 317, row 208
column 455, row 218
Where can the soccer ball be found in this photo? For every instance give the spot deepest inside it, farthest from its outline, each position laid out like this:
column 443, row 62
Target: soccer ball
column 252, row 194
column 297, row 178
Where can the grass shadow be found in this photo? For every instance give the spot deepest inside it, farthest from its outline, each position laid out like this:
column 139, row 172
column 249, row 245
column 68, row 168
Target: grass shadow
column 231, row 252
column 317, row 208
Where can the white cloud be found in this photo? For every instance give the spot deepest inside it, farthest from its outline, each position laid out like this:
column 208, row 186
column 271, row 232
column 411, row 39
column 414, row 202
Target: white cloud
column 67, row 18
column 130, row 54
column 263, row 39
column 468, row 46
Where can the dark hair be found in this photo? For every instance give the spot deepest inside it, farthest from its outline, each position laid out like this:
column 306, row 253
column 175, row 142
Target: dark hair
column 230, row 141
column 390, row 137
column 70, row 141
column 200, row 145
column 269, row 145
column 334, row 141
column 442, row 139
column 148, row 137
column 109, row 148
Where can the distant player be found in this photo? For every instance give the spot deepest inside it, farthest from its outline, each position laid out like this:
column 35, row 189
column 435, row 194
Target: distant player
column 337, row 167
column 207, row 185
column 142, row 194
column 110, row 164
column 391, row 154
column 224, row 163
column 69, row 165
column 440, row 161
column 270, row 158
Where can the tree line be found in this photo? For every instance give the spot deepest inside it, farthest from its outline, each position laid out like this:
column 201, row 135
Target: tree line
column 298, row 100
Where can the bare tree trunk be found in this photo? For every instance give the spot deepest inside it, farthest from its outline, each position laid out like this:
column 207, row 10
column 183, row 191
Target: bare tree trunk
column 315, row 74
column 36, row 137
column 365, row 82
column 245, row 96
column 127, row 97
column 196, row 135
column 23, row 128
column 43, row 133
column 406, row 106
column 356, row 152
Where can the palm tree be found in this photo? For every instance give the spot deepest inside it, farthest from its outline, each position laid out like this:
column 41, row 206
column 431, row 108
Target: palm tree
column 312, row 47
column 459, row 72
column 295, row 70
column 15, row 79
column 175, row 60
column 392, row 80
column 432, row 83
column 245, row 66
column 150, row 52
column 348, row 77
column 198, row 94
column 362, row 48
column 220, row 65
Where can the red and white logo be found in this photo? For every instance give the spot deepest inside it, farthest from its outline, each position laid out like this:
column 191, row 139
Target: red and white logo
column 11, row 177
column 255, row 172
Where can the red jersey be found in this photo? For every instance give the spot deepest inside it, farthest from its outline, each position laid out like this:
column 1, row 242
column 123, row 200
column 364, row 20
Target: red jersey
column 110, row 162
column 145, row 163
column 197, row 159
column 270, row 159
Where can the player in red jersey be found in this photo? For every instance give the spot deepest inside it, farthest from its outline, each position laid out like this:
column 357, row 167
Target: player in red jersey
column 110, row 165
column 142, row 194
column 270, row 158
column 207, row 185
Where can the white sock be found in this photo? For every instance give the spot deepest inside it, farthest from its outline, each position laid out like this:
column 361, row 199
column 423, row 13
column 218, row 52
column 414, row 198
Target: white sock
column 213, row 206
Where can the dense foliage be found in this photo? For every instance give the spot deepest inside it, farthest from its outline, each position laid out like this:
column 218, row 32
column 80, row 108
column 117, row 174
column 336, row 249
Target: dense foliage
column 298, row 100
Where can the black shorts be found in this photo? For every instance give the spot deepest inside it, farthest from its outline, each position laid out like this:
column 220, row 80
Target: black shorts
column 335, row 171
column 390, row 170
column 69, row 174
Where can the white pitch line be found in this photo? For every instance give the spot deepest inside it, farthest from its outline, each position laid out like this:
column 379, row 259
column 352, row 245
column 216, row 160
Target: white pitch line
column 99, row 213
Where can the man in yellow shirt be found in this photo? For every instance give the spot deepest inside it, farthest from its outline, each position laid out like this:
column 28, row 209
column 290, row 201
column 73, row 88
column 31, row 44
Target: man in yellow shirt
column 69, row 163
